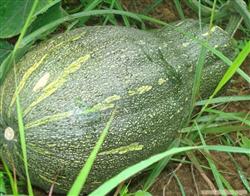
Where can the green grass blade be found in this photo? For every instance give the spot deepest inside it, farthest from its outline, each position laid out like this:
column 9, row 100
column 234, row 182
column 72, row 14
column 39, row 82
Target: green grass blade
column 226, row 183
column 152, row 6
column 6, row 64
column 92, row 5
column 159, row 167
column 179, row 9
column 241, row 174
column 212, row 15
column 218, row 115
column 240, row 7
column 243, row 75
column 229, row 188
column 225, row 99
column 25, row 28
column 82, row 176
column 108, row 16
column 199, row 15
column 179, row 184
column 230, row 72
column 13, row 183
column 195, row 161
column 196, row 83
column 18, row 106
column 53, row 24
column 130, row 171
column 229, row 116
column 194, row 5
column 23, row 142
column 218, row 118
column 218, row 129
column 197, row 77
column 233, row 24
column 216, row 174
column 46, row 7
column 119, row 7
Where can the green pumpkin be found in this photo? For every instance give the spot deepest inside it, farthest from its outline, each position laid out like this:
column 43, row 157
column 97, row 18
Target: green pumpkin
column 70, row 84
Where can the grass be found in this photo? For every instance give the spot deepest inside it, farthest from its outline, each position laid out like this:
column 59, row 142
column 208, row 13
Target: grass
column 82, row 177
column 132, row 170
column 231, row 71
column 18, row 105
column 210, row 122
column 216, row 174
column 13, row 183
column 159, row 167
column 179, row 185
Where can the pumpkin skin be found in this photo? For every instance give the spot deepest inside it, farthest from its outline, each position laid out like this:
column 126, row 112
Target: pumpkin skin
column 70, row 84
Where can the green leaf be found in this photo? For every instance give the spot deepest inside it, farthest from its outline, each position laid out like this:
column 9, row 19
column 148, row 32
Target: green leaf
column 53, row 13
column 12, row 16
column 5, row 49
column 14, row 13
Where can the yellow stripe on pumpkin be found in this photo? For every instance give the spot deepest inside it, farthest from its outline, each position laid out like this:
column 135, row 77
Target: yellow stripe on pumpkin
column 48, row 119
column 56, row 84
column 124, row 149
column 23, row 81
column 1, row 102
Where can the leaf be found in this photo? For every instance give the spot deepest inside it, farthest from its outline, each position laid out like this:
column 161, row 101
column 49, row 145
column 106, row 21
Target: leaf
column 14, row 13
column 5, row 49
column 53, row 13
